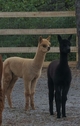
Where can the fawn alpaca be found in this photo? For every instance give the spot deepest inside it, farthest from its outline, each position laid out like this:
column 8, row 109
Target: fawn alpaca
column 1, row 98
column 28, row 69
column 59, row 78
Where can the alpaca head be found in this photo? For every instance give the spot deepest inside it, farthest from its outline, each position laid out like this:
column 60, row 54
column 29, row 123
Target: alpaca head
column 44, row 44
column 64, row 44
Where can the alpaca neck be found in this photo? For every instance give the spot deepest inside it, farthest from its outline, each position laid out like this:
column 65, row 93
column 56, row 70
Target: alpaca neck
column 63, row 59
column 39, row 59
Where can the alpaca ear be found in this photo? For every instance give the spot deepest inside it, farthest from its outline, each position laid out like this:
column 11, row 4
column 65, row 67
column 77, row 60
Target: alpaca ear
column 69, row 38
column 49, row 38
column 40, row 39
column 59, row 38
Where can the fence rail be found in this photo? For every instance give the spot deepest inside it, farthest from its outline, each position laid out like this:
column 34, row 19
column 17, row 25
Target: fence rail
column 37, row 31
column 30, row 49
column 38, row 14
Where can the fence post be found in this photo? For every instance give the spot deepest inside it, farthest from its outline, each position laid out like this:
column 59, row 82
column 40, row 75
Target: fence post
column 78, row 29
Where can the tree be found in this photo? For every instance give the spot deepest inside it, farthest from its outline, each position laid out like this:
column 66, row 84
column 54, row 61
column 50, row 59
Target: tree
column 78, row 29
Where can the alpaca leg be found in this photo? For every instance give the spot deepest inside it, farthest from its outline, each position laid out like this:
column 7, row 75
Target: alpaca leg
column 1, row 97
column 27, row 85
column 58, row 102
column 1, row 105
column 5, row 83
column 0, row 118
column 9, row 90
column 33, row 86
column 64, row 98
column 51, row 94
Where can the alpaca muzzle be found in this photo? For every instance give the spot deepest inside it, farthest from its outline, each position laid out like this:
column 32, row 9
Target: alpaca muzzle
column 48, row 48
column 68, row 50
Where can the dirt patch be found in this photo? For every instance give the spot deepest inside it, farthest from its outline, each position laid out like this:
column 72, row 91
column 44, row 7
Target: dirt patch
column 41, row 117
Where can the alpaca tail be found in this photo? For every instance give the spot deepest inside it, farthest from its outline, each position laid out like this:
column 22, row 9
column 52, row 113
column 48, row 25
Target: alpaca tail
column 1, row 97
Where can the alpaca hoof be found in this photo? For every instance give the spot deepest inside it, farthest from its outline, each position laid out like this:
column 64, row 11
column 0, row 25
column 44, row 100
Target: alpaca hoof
column 51, row 113
column 33, row 107
column 58, row 117
column 64, row 116
column 11, row 107
column 26, row 108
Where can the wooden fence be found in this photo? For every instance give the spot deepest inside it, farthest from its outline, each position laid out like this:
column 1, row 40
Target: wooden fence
column 37, row 32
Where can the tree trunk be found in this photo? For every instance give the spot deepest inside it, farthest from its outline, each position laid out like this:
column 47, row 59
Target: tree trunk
column 78, row 29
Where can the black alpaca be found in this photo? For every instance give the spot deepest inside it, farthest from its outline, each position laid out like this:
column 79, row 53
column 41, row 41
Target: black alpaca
column 59, row 78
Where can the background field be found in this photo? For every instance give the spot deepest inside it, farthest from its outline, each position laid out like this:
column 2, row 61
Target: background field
column 35, row 23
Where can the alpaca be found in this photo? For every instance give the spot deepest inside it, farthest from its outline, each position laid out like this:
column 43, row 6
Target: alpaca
column 28, row 69
column 59, row 78
column 1, row 98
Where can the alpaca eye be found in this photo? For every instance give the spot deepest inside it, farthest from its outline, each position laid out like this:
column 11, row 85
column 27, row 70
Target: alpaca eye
column 44, row 46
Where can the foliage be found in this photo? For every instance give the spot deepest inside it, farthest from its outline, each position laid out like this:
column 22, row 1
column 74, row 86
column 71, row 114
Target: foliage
column 36, row 5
